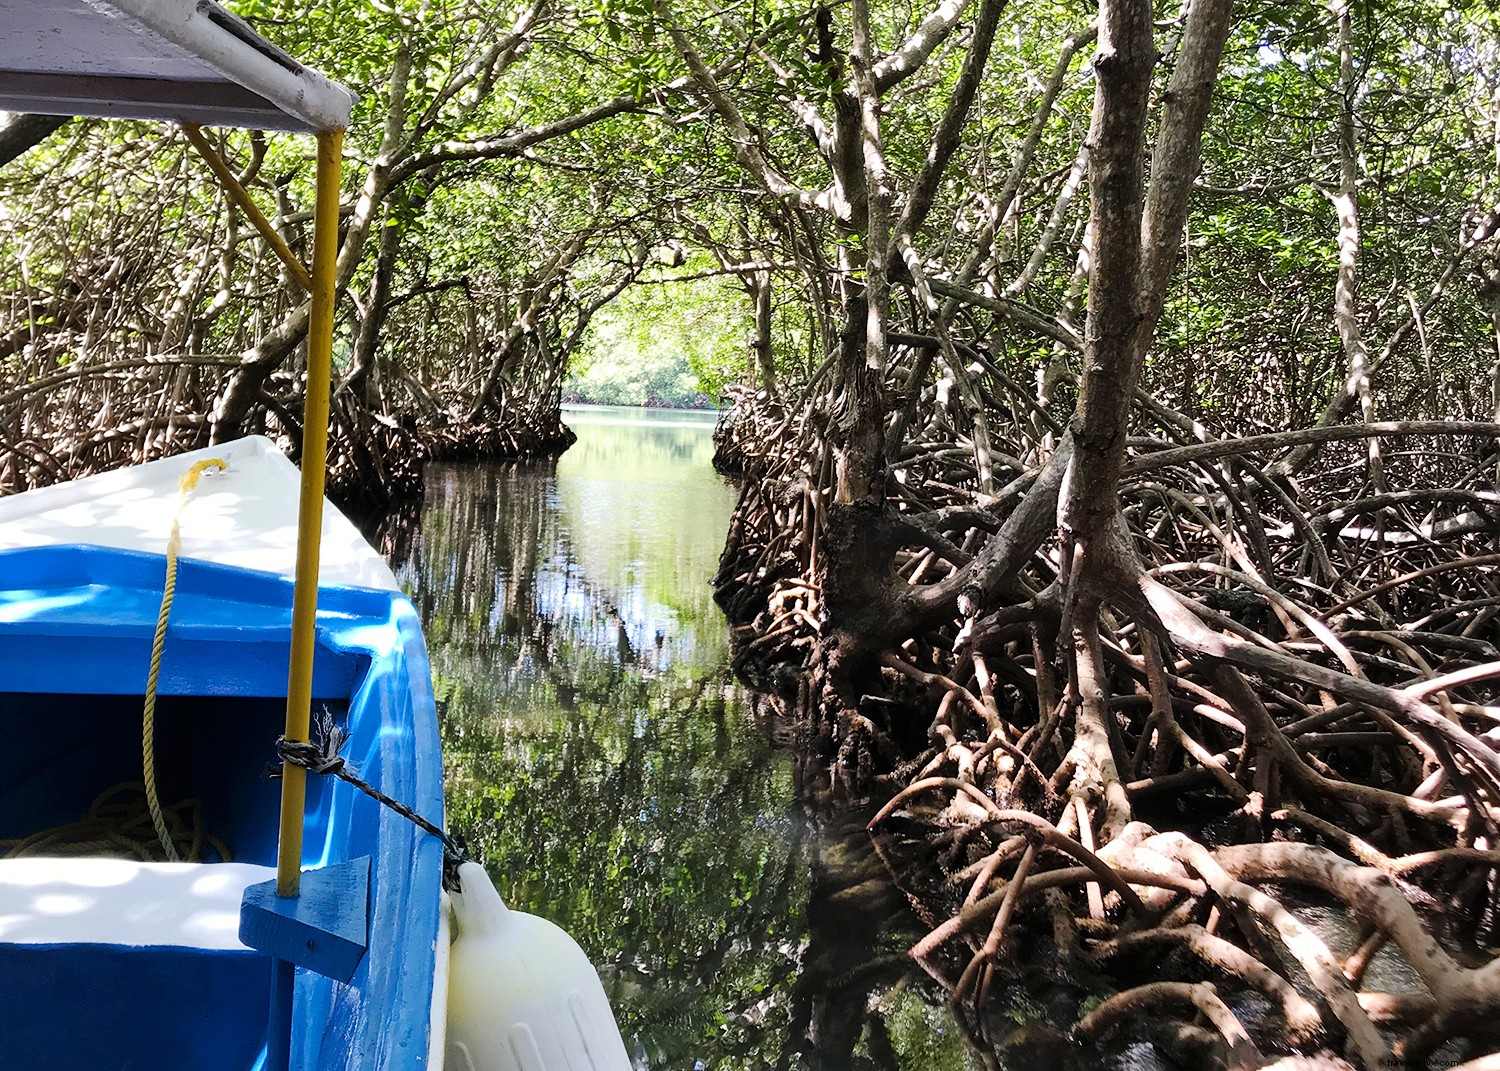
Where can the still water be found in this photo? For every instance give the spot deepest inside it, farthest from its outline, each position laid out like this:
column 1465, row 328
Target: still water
column 616, row 781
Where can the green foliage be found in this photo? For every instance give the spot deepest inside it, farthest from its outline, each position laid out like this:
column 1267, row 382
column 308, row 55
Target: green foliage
column 1248, row 338
column 675, row 344
column 926, row 1037
column 478, row 232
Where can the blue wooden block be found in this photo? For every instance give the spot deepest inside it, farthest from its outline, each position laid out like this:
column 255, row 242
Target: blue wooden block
column 325, row 929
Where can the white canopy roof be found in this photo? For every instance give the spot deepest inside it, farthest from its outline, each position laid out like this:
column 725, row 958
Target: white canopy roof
column 188, row 60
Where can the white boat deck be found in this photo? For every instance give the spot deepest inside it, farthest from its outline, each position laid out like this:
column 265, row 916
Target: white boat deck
column 244, row 516
column 83, row 901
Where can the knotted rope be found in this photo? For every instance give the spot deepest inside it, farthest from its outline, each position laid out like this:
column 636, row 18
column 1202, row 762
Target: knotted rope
column 321, row 755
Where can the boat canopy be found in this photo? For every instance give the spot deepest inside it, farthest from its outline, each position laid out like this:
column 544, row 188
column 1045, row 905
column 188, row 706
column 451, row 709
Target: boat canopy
column 186, row 60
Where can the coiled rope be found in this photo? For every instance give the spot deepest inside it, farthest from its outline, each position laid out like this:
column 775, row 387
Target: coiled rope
column 185, row 487
column 118, row 825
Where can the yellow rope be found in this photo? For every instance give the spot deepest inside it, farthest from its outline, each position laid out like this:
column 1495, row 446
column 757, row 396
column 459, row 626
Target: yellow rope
column 185, row 487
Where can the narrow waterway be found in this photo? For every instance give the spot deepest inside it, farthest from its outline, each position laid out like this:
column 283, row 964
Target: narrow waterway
column 615, row 780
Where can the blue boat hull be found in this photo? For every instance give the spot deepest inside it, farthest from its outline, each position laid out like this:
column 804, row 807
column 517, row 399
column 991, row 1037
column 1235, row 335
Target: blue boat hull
column 76, row 625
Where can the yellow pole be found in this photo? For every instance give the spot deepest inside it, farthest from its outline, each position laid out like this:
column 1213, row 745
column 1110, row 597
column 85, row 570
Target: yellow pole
column 310, row 513
column 240, row 196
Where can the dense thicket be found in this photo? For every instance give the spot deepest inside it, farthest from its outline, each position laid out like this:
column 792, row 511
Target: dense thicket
column 1057, row 530
column 1039, row 553
column 142, row 314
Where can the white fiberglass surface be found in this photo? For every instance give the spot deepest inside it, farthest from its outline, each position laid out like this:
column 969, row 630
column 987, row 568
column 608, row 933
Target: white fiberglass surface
column 244, row 516
column 46, row 901
column 74, row 37
column 184, row 60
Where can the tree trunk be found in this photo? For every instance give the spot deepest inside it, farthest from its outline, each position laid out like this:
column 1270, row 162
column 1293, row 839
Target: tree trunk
column 25, row 132
column 765, row 363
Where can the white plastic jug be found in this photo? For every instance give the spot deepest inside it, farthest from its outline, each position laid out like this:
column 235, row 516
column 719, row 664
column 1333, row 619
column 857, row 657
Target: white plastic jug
column 522, row 996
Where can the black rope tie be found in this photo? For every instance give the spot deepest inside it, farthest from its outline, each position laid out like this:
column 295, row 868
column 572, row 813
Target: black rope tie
column 321, row 755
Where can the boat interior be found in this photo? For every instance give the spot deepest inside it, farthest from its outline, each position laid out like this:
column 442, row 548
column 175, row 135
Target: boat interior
column 82, row 765
column 105, row 961
column 110, row 957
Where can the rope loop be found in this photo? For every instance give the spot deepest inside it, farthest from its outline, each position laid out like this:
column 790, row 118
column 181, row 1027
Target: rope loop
column 189, row 479
column 309, row 756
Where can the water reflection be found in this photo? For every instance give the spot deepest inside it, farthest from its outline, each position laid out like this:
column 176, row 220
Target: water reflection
column 613, row 777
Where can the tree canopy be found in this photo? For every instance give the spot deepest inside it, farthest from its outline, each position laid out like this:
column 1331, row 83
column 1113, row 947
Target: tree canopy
column 1116, row 389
